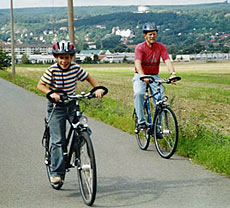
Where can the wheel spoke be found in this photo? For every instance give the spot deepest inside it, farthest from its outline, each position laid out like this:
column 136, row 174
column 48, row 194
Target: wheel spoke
column 87, row 171
column 142, row 135
column 167, row 125
column 88, row 181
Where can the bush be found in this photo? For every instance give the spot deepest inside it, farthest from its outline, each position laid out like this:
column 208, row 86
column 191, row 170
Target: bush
column 4, row 59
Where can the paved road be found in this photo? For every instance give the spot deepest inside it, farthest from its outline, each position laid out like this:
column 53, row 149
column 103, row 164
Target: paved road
column 127, row 176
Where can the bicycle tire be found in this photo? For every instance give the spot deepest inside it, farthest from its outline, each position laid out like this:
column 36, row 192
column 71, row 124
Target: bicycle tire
column 142, row 136
column 48, row 159
column 165, row 132
column 86, row 168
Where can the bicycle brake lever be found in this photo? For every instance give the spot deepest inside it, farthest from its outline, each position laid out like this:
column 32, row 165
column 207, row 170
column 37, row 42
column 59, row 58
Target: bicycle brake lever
column 91, row 96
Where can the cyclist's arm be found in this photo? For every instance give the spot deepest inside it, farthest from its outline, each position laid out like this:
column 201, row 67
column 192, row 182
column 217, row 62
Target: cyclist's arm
column 139, row 67
column 94, row 83
column 170, row 68
column 43, row 88
column 140, row 70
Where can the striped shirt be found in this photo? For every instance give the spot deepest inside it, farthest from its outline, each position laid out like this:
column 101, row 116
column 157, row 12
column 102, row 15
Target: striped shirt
column 64, row 79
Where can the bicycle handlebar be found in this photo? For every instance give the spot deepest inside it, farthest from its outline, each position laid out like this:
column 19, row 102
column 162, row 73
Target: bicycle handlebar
column 65, row 97
column 167, row 81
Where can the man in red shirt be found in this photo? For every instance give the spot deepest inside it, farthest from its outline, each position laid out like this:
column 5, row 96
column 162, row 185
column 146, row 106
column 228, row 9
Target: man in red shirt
column 147, row 61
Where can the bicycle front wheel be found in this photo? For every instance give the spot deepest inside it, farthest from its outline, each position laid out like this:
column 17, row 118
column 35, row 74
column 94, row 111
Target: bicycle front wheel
column 87, row 174
column 142, row 135
column 165, row 132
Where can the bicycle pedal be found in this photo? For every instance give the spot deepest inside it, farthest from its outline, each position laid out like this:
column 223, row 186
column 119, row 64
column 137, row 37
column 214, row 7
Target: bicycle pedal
column 47, row 161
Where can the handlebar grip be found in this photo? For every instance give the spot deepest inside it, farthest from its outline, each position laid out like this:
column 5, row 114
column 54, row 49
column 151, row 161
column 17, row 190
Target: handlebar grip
column 52, row 100
column 151, row 79
column 174, row 79
column 55, row 91
column 99, row 87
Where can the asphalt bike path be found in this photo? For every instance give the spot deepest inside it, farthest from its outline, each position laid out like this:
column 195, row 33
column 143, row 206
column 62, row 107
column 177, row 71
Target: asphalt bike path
column 127, row 176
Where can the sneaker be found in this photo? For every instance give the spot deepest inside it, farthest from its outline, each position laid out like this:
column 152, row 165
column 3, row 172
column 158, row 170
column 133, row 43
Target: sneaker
column 55, row 179
column 142, row 126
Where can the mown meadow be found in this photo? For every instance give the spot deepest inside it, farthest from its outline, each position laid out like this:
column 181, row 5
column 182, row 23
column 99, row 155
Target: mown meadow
column 201, row 101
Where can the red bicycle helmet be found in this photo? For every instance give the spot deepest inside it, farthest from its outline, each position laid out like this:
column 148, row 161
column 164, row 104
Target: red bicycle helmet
column 63, row 47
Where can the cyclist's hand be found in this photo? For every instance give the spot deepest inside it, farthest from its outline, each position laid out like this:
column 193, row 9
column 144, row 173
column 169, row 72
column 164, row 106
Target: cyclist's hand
column 146, row 81
column 173, row 81
column 55, row 96
column 99, row 93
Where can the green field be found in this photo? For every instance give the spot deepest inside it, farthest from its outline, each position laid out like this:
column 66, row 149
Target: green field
column 201, row 101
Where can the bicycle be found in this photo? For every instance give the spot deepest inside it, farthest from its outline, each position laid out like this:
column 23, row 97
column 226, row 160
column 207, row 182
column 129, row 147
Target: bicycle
column 80, row 152
column 163, row 127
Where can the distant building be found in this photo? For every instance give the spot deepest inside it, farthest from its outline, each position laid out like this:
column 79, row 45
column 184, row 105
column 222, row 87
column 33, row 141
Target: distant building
column 123, row 33
column 100, row 26
column 91, row 52
column 143, row 9
column 29, row 49
column 118, row 58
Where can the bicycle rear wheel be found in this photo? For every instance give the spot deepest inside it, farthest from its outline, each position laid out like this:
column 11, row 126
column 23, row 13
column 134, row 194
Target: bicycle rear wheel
column 165, row 132
column 86, row 167
column 142, row 135
column 47, row 145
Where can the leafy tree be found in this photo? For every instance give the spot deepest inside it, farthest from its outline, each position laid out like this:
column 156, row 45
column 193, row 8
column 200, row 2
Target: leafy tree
column 88, row 60
column 173, row 57
column 111, row 42
column 81, row 46
column 4, row 59
column 25, row 59
column 95, row 59
column 121, row 48
column 225, row 49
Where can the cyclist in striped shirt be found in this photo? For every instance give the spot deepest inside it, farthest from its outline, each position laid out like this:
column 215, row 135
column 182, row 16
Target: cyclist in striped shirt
column 63, row 75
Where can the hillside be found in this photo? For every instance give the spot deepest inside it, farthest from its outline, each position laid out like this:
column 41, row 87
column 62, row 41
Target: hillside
column 187, row 29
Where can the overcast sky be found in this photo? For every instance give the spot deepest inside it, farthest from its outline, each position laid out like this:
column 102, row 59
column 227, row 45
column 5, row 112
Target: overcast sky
column 4, row 4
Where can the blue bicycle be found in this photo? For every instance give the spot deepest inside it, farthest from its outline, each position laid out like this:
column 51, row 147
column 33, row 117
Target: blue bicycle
column 162, row 126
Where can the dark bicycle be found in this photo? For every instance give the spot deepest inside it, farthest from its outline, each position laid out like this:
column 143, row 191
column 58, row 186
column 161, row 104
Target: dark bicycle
column 162, row 126
column 80, row 152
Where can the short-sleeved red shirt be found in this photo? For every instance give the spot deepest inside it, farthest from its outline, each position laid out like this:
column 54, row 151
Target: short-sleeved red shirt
column 150, row 56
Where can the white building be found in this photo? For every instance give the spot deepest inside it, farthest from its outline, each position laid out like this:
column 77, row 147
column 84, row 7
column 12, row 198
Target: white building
column 210, row 57
column 118, row 58
column 29, row 49
column 123, row 33
column 143, row 9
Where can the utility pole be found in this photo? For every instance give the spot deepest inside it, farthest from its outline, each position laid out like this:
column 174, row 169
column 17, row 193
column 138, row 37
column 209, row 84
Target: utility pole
column 71, row 23
column 12, row 39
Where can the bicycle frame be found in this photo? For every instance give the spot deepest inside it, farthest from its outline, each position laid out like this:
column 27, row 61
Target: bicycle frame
column 155, row 101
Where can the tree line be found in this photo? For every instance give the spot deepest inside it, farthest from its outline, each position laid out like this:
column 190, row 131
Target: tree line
column 183, row 29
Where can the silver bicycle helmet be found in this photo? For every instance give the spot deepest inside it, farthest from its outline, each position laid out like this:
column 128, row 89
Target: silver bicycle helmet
column 63, row 47
column 149, row 27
